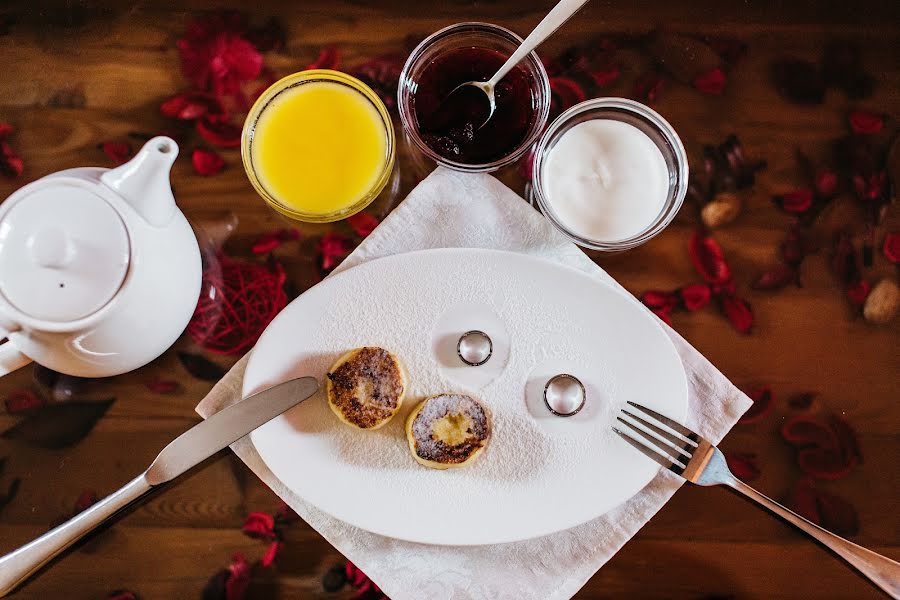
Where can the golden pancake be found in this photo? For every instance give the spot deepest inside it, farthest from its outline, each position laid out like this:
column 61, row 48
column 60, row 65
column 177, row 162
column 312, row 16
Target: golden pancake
column 365, row 387
column 448, row 431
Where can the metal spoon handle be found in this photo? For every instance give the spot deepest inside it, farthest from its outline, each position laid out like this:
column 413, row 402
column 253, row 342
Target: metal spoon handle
column 560, row 13
column 17, row 566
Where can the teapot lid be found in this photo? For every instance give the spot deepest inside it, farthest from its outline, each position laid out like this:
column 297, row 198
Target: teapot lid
column 64, row 252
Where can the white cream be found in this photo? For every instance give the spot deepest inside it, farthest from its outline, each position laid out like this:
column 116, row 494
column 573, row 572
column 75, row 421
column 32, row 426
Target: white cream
column 605, row 180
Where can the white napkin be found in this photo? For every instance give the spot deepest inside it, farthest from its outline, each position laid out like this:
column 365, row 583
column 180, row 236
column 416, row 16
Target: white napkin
column 454, row 210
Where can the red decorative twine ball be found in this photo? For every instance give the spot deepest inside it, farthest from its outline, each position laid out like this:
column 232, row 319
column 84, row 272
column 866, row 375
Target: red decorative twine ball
column 238, row 299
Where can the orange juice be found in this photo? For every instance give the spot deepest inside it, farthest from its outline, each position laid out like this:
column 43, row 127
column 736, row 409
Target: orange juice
column 318, row 145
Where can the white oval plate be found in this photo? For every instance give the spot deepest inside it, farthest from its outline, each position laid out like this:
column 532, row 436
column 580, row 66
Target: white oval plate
column 540, row 473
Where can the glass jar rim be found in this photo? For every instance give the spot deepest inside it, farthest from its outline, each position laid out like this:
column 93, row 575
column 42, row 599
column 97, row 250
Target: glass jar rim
column 407, row 118
column 315, row 76
column 675, row 148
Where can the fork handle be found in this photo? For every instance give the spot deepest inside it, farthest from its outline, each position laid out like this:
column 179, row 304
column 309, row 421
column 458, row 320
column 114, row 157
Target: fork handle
column 881, row 570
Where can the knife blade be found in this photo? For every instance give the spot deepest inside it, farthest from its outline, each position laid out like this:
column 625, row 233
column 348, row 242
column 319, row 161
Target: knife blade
column 187, row 450
column 227, row 426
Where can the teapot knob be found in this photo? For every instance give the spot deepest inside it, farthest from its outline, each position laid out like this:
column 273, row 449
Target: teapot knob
column 51, row 247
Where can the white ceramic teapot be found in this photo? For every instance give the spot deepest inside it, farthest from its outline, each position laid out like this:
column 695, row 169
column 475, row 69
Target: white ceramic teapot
column 99, row 269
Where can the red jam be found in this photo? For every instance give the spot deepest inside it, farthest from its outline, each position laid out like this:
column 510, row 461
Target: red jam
column 451, row 124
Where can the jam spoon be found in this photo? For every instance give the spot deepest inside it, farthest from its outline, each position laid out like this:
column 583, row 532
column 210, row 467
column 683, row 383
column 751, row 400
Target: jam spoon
column 556, row 17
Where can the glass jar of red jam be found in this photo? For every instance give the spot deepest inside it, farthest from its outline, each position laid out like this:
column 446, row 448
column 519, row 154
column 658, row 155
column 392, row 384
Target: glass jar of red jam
column 448, row 127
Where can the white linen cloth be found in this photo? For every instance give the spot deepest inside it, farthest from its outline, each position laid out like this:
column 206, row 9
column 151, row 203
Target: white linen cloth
column 454, row 210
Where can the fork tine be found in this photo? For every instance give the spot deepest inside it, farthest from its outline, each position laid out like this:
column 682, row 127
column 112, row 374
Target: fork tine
column 678, row 443
column 646, row 444
column 674, row 425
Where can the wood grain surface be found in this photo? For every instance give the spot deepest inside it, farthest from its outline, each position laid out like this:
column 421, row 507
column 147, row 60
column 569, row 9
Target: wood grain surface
column 75, row 73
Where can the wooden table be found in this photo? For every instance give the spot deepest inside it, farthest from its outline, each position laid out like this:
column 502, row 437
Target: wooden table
column 77, row 73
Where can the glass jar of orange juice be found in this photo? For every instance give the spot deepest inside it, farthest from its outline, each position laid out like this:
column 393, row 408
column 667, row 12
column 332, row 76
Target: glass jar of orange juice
column 318, row 146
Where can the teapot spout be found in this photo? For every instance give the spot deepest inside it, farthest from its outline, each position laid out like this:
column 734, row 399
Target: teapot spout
column 144, row 181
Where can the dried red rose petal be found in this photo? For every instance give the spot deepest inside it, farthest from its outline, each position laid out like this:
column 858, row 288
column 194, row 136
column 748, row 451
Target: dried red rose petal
column 362, row 223
column 711, row 82
column 21, row 401
column 286, row 514
column 739, row 312
column 219, row 132
column 11, row 164
column 826, row 182
column 891, row 247
column 695, row 296
column 664, row 314
column 122, row 595
column 207, row 162
column 775, row 277
column 824, row 463
column 260, row 525
column 163, row 386
column 796, row 201
column 192, row 105
column 602, row 77
column 708, row 258
column 659, row 299
column 804, row 430
column 267, row 242
column 268, row 559
column 332, row 248
column 361, row 582
column 329, row 58
column 239, row 578
column 744, row 465
column 846, row 437
column 6, row 130
column 866, row 122
column 565, row 93
column 649, row 86
column 857, row 292
column 824, row 509
column 872, row 187
column 215, row 56
column 118, row 152
column 763, row 401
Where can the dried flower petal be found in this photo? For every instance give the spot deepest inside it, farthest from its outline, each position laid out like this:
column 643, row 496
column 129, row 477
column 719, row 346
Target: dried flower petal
column 866, row 122
column 219, row 132
column 664, row 315
column 858, row 292
column 846, row 437
column 603, row 77
column 649, row 86
column 22, row 401
column 57, row 426
column 805, row 430
column 260, row 526
column 775, row 277
column 564, row 94
column 891, row 247
column 11, row 164
column 711, row 82
column 826, row 182
column 799, row 81
column 657, row 299
column 828, row 449
column 362, row 223
column 763, row 402
column 744, row 465
column 823, row 463
column 192, row 105
column 267, row 242
column 6, row 130
column 118, row 152
column 215, row 56
column 872, row 187
column 122, row 595
column 796, row 201
column 329, row 58
column 207, row 162
column 239, row 578
column 163, row 386
column 332, row 248
column 738, row 312
column 695, row 296
column 268, row 559
column 708, row 258
column 361, row 582
column 200, row 367
column 824, row 509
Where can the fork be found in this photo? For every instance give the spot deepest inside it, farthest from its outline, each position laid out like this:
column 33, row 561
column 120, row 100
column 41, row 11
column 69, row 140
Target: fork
column 688, row 455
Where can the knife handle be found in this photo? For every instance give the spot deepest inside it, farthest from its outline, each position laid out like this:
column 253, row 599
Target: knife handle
column 19, row 565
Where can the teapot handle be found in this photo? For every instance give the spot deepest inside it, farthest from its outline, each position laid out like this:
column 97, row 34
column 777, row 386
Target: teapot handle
column 10, row 357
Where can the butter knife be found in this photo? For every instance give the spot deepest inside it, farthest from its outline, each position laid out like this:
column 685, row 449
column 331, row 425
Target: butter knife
column 187, row 450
